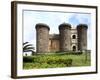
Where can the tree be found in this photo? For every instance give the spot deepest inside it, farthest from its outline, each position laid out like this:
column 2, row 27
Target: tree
column 28, row 47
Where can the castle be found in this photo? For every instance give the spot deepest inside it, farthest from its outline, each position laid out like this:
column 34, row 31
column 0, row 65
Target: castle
column 68, row 39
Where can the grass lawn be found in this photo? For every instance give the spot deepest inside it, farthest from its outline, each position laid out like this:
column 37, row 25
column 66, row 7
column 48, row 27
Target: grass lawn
column 56, row 60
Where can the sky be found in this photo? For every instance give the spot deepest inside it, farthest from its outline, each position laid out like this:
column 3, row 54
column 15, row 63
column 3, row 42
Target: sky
column 53, row 20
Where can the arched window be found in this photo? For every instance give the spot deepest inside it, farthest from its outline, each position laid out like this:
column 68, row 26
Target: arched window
column 73, row 36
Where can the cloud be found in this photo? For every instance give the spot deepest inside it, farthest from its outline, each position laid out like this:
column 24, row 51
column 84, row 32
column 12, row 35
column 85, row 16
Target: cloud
column 73, row 20
column 77, row 18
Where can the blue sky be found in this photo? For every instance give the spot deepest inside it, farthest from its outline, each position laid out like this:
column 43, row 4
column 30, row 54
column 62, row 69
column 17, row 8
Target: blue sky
column 53, row 19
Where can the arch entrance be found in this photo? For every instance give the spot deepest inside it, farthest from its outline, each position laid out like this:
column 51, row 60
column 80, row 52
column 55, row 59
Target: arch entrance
column 74, row 48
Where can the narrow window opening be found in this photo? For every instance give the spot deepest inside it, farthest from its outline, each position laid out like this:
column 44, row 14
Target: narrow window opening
column 74, row 37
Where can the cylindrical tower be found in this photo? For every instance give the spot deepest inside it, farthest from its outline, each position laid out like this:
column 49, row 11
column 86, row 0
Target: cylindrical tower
column 65, row 37
column 82, row 36
column 42, row 38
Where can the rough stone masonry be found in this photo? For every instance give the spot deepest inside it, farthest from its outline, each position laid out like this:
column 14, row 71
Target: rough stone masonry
column 68, row 39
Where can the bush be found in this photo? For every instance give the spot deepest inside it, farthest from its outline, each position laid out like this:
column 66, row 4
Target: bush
column 28, row 59
column 55, row 60
column 68, row 62
column 74, row 53
column 48, row 60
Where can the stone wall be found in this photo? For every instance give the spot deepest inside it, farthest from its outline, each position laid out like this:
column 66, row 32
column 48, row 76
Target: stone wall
column 54, row 43
column 42, row 38
column 82, row 36
column 68, row 39
column 65, row 39
column 74, row 38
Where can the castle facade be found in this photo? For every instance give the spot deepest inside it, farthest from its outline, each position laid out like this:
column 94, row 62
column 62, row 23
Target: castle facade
column 68, row 39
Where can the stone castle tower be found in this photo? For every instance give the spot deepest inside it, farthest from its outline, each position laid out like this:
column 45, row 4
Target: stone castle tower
column 68, row 39
column 64, row 34
column 82, row 36
column 42, row 37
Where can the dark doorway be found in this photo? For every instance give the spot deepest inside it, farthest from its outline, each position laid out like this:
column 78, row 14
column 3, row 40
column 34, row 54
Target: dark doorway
column 74, row 48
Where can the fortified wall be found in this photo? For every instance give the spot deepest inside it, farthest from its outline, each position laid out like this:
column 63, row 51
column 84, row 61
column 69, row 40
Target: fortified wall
column 68, row 39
